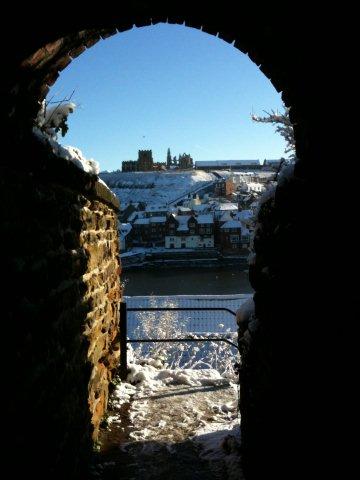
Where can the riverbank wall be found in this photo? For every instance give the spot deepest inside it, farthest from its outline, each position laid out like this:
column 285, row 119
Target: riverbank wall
column 209, row 259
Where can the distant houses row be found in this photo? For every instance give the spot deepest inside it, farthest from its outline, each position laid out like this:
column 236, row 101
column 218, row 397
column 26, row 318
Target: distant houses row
column 214, row 225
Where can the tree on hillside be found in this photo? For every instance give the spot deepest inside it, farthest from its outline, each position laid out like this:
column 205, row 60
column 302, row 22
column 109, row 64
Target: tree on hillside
column 168, row 158
column 283, row 126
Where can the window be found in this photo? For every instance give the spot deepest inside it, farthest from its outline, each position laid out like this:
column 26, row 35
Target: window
column 234, row 238
column 183, row 245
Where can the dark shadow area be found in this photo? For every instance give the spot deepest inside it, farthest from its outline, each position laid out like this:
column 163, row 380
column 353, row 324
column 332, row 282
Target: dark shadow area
column 152, row 461
column 45, row 315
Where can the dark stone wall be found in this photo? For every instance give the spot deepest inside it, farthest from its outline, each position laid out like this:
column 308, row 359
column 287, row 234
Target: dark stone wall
column 283, row 374
column 62, row 317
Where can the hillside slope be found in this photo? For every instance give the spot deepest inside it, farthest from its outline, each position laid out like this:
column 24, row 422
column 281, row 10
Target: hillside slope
column 155, row 188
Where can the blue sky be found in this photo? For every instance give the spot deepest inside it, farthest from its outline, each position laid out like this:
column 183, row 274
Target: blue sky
column 168, row 86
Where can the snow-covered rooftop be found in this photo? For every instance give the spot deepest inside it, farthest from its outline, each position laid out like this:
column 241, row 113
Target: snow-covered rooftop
column 200, row 208
column 142, row 221
column 133, row 215
column 156, row 208
column 125, row 228
column 205, row 219
column 183, row 219
column 157, row 219
column 226, row 206
column 244, row 215
column 226, row 216
column 232, row 224
column 183, row 222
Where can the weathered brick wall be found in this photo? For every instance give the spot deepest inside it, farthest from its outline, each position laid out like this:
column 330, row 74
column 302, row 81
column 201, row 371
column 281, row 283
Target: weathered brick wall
column 99, row 240
column 63, row 321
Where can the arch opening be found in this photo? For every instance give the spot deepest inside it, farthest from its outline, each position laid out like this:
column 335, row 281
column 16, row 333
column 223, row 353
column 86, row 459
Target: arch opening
column 46, row 65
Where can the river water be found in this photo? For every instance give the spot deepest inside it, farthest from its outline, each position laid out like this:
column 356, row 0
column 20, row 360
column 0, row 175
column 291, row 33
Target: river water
column 186, row 281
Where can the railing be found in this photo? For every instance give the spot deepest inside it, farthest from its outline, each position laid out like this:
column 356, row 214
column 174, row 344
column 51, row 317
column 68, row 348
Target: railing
column 123, row 331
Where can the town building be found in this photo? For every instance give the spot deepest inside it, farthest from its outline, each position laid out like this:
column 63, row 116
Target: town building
column 220, row 208
column 184, row 210
column 149, row 232
column 188, row 231
column 239, row 165
column 224, row 188
column 129, row 166
column 273, row 165
column 251, row 187
column 159, row 166
column 145, row 161
column 192, row 201
column 125, row 236
column 231, row 233
column 156, row 211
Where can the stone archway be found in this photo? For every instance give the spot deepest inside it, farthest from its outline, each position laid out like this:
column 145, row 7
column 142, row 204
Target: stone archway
column 270, row 395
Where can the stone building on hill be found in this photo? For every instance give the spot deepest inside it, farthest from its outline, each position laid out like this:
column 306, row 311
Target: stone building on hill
column 144, row 163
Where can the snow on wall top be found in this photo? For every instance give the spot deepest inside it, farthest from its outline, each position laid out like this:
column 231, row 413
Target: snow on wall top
column 196, row 321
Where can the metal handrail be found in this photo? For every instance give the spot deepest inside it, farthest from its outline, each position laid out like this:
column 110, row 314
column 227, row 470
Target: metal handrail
column 123, row 331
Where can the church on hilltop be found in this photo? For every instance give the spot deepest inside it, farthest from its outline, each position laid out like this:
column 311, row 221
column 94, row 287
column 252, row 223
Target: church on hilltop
column 145, row 162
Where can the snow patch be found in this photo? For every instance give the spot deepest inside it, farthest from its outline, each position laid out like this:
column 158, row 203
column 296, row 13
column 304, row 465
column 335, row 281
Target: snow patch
column 48, row 122
column 149, row 376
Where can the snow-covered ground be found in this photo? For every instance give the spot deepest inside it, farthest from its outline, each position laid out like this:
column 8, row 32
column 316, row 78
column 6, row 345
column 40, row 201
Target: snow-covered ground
column 155, row 187
column 187, row 419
